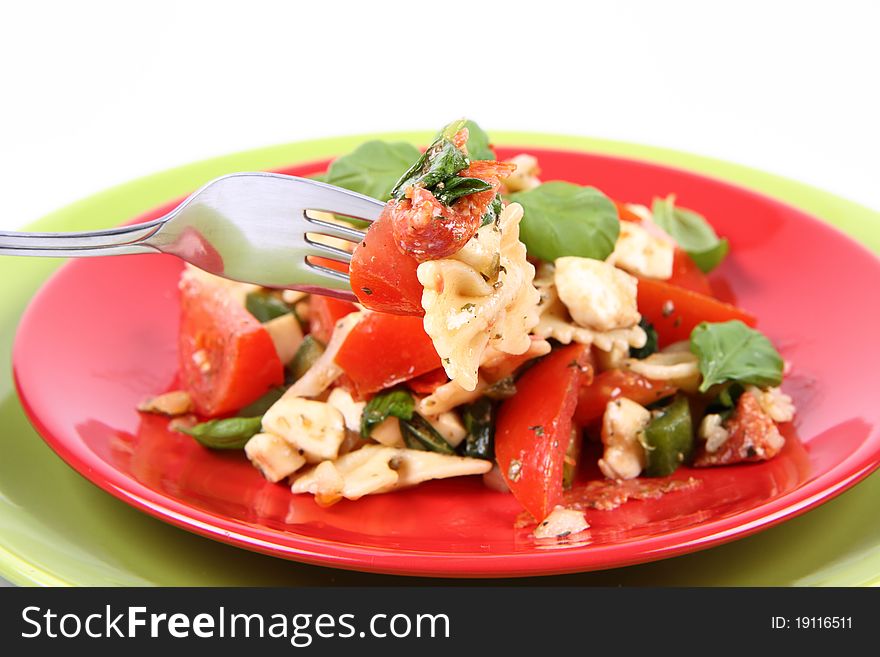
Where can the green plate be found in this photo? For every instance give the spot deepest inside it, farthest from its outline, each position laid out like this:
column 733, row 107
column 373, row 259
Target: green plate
column 58, row 529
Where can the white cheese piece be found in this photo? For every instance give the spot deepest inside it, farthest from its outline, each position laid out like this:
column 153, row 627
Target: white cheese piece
column 315, row 427
column 351, row 410
column 561, row 522
column 286, row 335
column 273, row 456
column 448, row 425
column 597, row 294
column 623, row 427
column 388, row 433
column 712, row 431
column 641, row 253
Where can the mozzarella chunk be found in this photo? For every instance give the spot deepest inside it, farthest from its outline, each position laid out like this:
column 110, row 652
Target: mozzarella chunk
column 641, row 253
column 561, row 522
column 315, row 427
column 713, row 432
column 448, row 425
column 388, row 433
column 597, row 294
column 623, row 428
column 286, row 335
column 351, row 410
column 774, row 403
column 273, row 456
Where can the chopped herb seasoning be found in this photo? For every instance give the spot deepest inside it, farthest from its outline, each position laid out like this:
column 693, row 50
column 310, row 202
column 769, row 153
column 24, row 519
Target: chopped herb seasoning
column 538, row 429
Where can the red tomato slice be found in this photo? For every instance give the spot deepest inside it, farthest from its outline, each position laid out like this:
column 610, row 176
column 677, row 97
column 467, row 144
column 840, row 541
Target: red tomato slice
column 686, row 274
column 227, row 359
column 324, row 312
column 612, row 384
column 383, row 278
column 427, row 383
column 753, row 436
column 675, row 311
column 383, row 350
column 534, row 428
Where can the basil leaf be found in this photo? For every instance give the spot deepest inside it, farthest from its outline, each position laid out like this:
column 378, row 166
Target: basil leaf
column 310, row 350
column 478, row 141
column 456, row 187
column 563, row 219
column 440, row 162
column 229, row 433
column 493, row 212
column 419, row 434
column 692, row 233
column 372, row 168
column 479, row 420
column 264, row 403
column 393, row 403
column 732, row 351
column 651, row 345
column 265, row 306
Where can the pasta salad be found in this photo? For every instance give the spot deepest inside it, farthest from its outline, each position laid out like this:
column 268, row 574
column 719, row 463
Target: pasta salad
column 565, row 346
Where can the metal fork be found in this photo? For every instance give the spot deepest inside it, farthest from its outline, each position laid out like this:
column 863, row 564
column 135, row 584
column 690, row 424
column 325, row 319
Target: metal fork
column 249, row 227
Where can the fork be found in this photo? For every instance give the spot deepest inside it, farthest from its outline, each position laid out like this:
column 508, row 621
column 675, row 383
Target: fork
column 248, row 227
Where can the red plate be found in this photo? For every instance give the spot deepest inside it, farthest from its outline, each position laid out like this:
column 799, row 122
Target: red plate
column 101, row 336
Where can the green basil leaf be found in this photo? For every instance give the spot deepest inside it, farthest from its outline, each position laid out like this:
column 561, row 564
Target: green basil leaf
column 436, row 165
column 456, row 187
column 229, row 433
column 478, row 141
column 372, row 168
column 692, row 233
column 479, row 420
column 265, row 306
column 310, row 350
column 732, row 351
column 493, row 212
column 393, row 403
column 419, row 434
column 651, row 345
column 264, row 403
column 563, row 219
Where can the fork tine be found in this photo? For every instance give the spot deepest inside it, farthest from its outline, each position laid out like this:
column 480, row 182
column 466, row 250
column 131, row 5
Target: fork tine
column 326, row 250
column 335, row 230
column 327, row 271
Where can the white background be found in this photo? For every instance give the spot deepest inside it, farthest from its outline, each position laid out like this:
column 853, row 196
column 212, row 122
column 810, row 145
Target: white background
column 97, row 93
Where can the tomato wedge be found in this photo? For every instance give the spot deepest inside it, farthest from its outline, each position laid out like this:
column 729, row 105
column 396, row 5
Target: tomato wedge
column 383, row 350
column 533, row 429
column 324, row 312
column 383, row 278
column 227, row 359
column 686, row 274
column 612, row 384
column 675, row 311
column 427, row 383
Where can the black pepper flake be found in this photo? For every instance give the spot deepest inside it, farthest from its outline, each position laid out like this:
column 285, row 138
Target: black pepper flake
column 366, row 290
column 677, row 322
column 538, row 429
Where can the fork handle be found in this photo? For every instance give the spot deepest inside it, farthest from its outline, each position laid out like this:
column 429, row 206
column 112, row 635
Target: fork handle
column 114, row 241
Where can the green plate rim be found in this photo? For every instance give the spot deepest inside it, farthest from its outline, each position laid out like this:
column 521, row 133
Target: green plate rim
column 140, row 195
